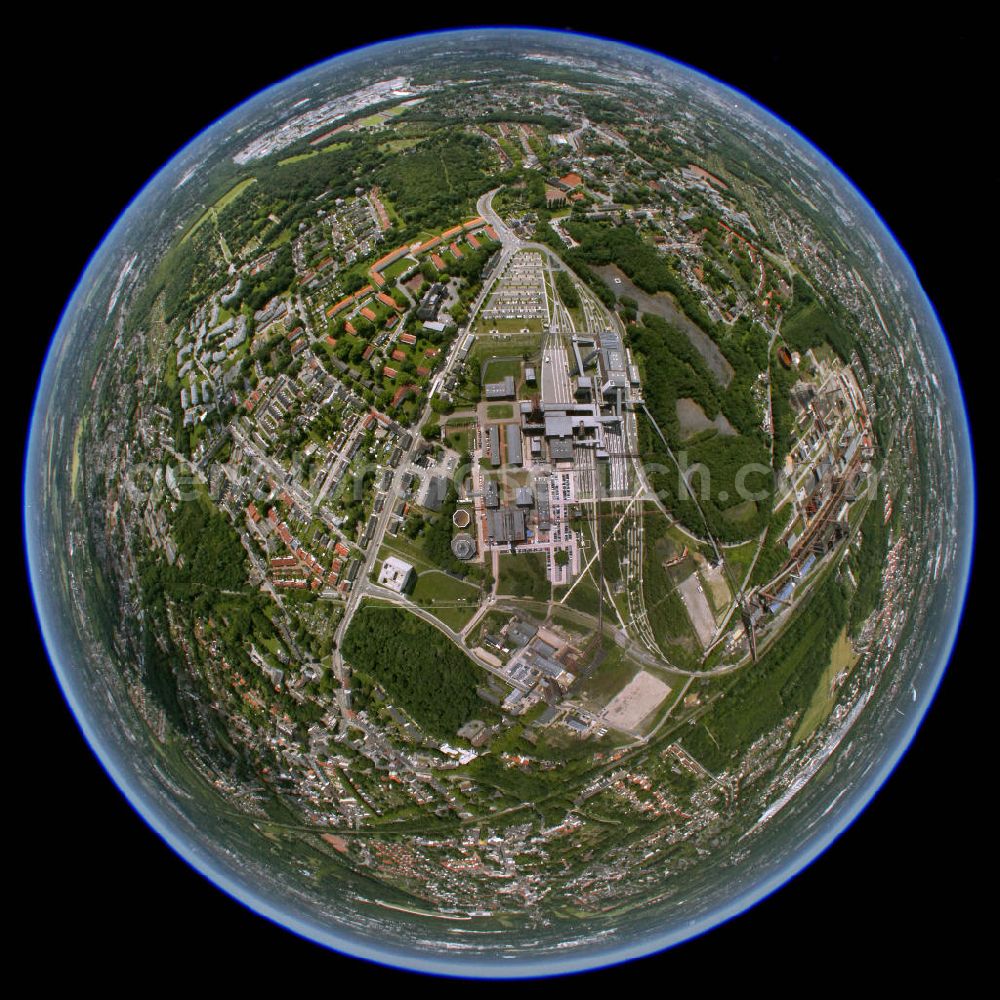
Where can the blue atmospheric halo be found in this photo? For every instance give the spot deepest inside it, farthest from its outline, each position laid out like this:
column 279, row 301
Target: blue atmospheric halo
column 45, row 503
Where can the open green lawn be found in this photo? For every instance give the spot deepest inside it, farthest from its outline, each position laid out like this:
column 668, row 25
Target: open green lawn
column 523, row 575
column 512, row 345
column 436, row 587
column 738, row 559
column 741, row 512
column 500, row 411
column 842, row 657
column 500, row 368
column 407, row 550
column 395, row 145
column 452, row 601
column 233, row 193
column 584, row 596
column 507, row 326
column 567, row 623
column 311, row 153
column 398, row 267
column 459, row 436
column 613, row 673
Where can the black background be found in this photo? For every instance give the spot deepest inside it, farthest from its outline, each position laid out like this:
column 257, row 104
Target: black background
column 896, row 109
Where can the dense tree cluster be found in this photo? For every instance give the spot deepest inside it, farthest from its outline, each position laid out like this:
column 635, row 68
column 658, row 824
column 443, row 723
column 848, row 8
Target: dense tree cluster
column 667, row 615
column 735, row 465
column 604, row 243
column 808, row 323
column 437, row 181
column 567, row 290
column 779, row 684
column 273, row 280
column 422, row 672
column 868, row 563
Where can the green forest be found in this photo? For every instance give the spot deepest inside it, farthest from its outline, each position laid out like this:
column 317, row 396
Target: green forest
column 435, row 183
column 421, row 671
column 808, row 323
column 780, row 683
column 674, row 370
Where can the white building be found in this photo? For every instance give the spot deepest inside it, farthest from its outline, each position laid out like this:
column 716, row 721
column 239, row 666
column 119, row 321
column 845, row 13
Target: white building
column 395, row 574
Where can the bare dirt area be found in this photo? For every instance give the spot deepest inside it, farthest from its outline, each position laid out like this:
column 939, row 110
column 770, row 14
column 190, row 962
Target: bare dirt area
column 692, row 420
column 641, row 696
column 698, row 608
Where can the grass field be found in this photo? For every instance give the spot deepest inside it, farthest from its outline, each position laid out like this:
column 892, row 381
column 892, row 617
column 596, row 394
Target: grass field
column 738, row 559
column 459, row 435
column 569, row 624
column 498, row 368
column 584, row 596
column 231, row 195
column 451, row 600
column 380, row 117
column 504, row 346
column 842, row 657
column 523, row 575
column 614, row 672
column 485, row 325
column 395, row 145
column 740, row 512
column 500, row 411
column 398, row 267
column 312, row 152
column 407, row 550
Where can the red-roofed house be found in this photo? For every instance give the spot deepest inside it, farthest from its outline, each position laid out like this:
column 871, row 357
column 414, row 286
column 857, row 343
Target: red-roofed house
column 390, row 257
column 491, row 233
column 388, row 300
column 398, row 355
column 389, row 372
column 349, row 327
column 571, row 180
column 368, row 314
column 400, row 394
column 456, row 250
column 473, row 242
column 437, row 261
column 367, row 352
column 407, row 338
column 337, row 306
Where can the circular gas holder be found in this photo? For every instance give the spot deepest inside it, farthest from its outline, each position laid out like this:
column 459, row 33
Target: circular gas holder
column 464, row 546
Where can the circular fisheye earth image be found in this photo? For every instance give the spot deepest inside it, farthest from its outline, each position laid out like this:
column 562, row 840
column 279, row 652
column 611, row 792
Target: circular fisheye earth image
column 499, row 503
